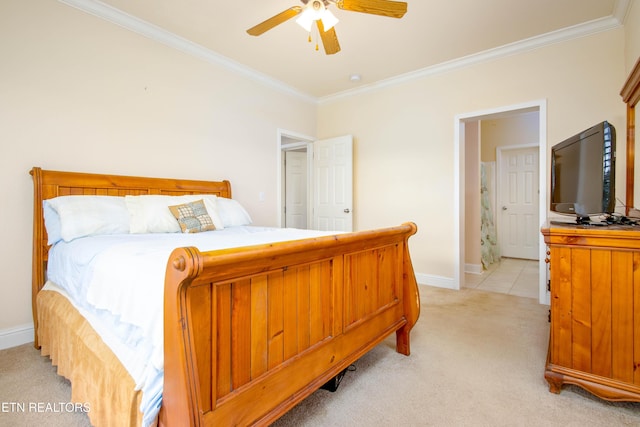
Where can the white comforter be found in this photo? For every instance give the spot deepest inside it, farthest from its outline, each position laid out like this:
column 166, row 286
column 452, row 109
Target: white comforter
column 117, row 283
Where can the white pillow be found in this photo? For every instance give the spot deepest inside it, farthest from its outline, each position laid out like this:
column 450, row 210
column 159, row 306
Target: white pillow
column 71, row 217
column 151, row 214
column 232, row 213
column 51, row 223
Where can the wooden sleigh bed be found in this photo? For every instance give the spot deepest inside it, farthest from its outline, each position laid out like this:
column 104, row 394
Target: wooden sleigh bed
column 248, row 332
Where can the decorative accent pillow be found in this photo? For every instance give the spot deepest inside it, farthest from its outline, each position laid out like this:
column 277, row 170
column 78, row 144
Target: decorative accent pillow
column 232, row 213
column 151, row 214
column 192, row 217
column 70, row 217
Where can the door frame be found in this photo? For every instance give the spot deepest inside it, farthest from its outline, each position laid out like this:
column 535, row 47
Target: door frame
column 288, row 140
column 499, row 195
column 459, row 185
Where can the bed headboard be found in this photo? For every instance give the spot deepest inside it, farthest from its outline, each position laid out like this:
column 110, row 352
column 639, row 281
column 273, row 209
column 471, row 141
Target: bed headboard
column 48, row 184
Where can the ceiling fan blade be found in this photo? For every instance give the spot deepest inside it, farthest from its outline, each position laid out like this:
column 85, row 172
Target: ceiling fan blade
column 274, row 20
column 393, row 9
column 329, row 39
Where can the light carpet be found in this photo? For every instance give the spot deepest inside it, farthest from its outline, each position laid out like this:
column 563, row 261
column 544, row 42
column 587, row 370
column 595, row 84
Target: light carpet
column 477, row 359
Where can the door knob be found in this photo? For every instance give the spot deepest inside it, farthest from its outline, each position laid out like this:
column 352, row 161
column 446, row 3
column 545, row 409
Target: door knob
column 504, row 208
column 347, row 210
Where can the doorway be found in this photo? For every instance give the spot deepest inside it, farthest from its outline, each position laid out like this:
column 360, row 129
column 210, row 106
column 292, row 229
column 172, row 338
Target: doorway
column 296, row 194
column 461, row 165
column 295, row 152
column 315, row 177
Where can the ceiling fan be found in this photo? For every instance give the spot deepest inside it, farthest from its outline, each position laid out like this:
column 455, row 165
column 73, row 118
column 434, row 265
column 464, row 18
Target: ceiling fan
column 317, row 10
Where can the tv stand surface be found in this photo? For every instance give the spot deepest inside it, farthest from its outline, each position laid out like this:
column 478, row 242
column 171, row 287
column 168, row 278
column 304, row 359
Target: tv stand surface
column 581, row 224
column 616, row 222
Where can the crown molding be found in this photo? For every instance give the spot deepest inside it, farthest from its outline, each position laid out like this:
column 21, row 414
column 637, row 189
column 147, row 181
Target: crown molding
column 565, row 34
column 621, row 9
column 146, row 29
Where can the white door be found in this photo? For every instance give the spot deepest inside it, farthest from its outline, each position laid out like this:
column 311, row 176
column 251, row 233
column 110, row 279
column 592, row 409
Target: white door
column 333, row 184
column 518, row 227
column 295, row 189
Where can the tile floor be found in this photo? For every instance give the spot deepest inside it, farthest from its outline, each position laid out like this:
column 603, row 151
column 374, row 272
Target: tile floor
column 508, row 276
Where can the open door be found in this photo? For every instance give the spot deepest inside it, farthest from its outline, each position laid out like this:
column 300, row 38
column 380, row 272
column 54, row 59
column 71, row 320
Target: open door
column 333, row 184
column 296, row 189
column 518, row 218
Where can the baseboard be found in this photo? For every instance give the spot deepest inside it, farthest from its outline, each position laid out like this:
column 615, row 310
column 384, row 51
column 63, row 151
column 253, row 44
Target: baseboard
column 436, row 281
column 473, row 268
column 16, row 336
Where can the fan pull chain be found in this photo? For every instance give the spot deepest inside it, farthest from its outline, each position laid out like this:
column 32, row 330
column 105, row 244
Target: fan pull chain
column 317, row 35
column 310, row 38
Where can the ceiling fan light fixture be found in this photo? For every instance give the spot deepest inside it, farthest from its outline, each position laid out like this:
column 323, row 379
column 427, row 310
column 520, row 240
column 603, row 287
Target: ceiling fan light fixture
column 314, row 11
column 328, row 20
column 306, row 19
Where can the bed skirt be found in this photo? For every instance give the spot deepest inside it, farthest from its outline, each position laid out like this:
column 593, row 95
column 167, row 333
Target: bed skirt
column 98, row 379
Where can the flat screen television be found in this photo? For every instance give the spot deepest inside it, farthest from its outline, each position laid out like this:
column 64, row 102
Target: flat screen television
column 583, row 173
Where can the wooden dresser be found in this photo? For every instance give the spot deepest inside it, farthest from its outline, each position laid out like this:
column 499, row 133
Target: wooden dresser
column 595, row 310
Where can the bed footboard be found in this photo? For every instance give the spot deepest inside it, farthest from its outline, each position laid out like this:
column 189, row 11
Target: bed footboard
column 251, row 332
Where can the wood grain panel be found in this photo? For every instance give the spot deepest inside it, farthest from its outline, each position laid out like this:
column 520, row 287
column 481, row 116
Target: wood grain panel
column 561, row 306
column 622, row 318
column 370, row 282
column 290, row 309
column 581, row 309
column 601, row 313
column 304, row 307
column 275, row 320
column 253, row 341
column 367, row 280
column 389, row 273
column 359, row 275
column 315, row 305
column 240, row 333
column 327, row 281
column 201, row 302
column 259, row 317
column 223, row 339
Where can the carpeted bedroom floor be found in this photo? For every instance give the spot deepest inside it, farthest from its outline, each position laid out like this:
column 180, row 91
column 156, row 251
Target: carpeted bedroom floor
column 477, row 359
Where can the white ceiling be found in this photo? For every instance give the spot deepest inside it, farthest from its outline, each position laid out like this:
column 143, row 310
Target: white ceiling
column 433, row 34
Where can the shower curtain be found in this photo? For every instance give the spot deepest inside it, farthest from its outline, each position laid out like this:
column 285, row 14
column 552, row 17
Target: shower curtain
column 488, row 240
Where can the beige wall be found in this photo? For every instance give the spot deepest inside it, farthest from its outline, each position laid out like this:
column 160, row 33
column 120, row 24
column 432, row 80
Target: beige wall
column 518, row 129
column 405, row 133
column 78, row 93
column 632, row 35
